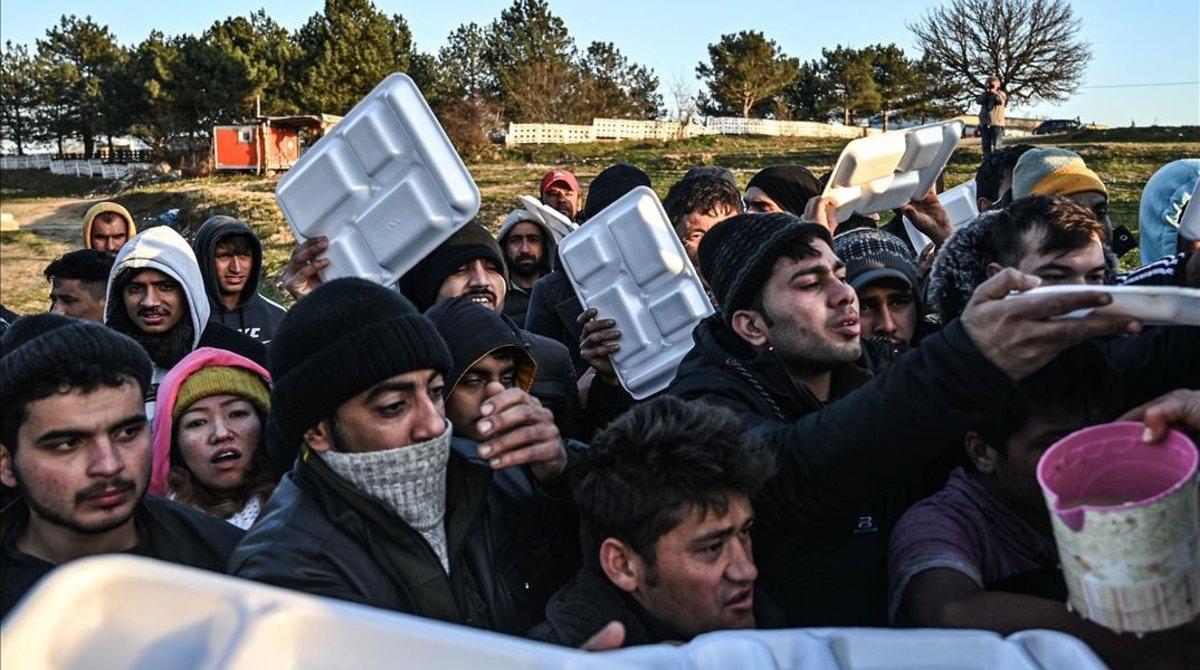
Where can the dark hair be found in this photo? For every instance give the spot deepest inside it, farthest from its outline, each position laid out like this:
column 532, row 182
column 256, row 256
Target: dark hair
column 702, row 193
column 991, row 170
column 1078, row 388
column 64, row 378
column 795, row 250
column 261, row 480
column 1063, row 225
column 87, row 265
column 657, row 462
column 238, row 243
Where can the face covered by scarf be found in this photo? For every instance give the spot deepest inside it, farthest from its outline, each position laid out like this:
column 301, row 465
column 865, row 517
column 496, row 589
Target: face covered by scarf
column 410, row 481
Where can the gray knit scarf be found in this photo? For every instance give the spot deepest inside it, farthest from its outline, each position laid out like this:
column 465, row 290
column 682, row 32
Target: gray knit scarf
column 410, row 481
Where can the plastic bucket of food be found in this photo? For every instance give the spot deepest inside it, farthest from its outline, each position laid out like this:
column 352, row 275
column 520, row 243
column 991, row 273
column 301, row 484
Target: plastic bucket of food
column 1126, row 520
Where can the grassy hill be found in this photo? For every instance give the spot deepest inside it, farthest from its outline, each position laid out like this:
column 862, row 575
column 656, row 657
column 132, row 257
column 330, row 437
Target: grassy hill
column 1124, row 158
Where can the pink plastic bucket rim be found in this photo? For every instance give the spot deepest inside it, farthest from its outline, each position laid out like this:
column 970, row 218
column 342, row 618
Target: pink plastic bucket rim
column 1109, row 432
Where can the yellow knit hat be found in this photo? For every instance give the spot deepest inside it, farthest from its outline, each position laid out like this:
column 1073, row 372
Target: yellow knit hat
column 222, row 380
column 1053, row 171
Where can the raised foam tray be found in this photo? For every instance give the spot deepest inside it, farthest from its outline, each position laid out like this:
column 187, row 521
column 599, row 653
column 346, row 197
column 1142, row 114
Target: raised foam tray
column 559, row 225
column 628, row 263
column 1155, row 305
column 384, row 185
column 883, row 172
column 960, row 205
column 125, row 612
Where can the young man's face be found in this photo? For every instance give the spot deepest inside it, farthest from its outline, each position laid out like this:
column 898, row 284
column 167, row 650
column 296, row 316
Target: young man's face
column 1016, row 470
column 397, row 412
column 233, row 265
column 109, row 233
column 1097, row 203
column 71, row 297
column 524, row 247
column 154, row 302
column 692, row 229
column 217, row 437
column 467, row 396
column 480, row 281
column 82, row 460
column 888, row 310
column 703, row 574
column 562, row 197
column 758, row 201
column 813, row 312
column 1084, row 265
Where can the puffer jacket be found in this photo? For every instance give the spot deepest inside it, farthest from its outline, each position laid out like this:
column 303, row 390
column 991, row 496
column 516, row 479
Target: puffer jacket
column 255, row 316
column 847, row 469
column 320, row 535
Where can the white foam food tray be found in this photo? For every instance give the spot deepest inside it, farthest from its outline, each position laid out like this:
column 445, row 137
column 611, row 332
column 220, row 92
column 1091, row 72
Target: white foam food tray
column 960, row 205
column 384, row 185
column 1153, row 305
column 126, row 613
column 628, row 263
column 883, row 172
column 559, row 225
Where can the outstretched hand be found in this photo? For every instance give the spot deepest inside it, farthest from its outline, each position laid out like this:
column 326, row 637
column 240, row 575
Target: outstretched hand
column 302, row 274
column 519, row 431
column 1019, row 334
column 612, row 636
column 599, row 343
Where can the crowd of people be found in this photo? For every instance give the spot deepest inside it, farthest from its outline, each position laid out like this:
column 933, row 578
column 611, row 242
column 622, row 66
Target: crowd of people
column 851, row 440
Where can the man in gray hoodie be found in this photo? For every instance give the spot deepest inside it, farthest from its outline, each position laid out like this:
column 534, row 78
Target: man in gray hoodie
column 529, row 247
column 230, row 258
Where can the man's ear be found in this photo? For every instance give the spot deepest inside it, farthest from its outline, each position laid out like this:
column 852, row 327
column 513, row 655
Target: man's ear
column 320, row 436
column 8, row 475
column 983, row 456
column 750, row 325
column 983, row 204
column 993, row 269
column 621, row 564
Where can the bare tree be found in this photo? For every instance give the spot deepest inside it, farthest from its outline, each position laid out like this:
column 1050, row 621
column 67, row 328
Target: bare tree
column 685, row 99
column 1032, row 45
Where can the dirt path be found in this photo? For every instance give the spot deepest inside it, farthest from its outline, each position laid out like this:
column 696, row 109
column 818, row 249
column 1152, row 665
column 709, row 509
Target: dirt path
column 49, row 227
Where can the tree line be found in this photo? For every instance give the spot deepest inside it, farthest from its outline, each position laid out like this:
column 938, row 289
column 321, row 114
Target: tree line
column 524, row 66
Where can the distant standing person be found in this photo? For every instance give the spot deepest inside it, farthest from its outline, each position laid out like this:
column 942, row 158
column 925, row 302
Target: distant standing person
column 991, row 115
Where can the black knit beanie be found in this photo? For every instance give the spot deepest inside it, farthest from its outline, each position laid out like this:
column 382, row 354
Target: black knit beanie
column 871, row 255
column 422, row 283
column 613, row 182
column 41, row 345
column 790, row 186
column 737, row 254
column 341, row 339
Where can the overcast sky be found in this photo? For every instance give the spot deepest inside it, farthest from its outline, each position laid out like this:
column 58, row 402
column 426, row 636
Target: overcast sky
column 1135, row 43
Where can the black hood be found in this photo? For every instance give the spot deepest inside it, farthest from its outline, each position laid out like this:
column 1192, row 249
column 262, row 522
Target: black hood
column 471, row 332
column 215, row 229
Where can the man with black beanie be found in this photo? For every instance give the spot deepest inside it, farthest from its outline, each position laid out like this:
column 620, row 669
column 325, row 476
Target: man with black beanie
column 382, row 506
column 554, row 310
column 781, row 188
column 470, row 265
column 75, row 443
column 785, row 355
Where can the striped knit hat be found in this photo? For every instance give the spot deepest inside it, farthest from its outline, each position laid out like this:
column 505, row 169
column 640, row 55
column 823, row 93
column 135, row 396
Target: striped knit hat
column 1053, row 171
column 737, row 254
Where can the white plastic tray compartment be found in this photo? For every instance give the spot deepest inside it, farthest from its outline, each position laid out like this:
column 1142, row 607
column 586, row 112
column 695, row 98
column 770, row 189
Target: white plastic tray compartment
column 960, row 205
column 628, row 263
column 883, row 172
column 385, row 185
column 1153, row 305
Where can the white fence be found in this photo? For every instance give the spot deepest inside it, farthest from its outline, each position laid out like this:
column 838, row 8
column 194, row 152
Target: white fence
column 75, row 168
column 635, row 129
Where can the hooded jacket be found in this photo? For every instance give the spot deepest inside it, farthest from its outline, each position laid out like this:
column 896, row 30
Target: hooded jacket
column 471, row 332
column 821, row 533
column 516, row 303
column 163, row 249
column 1163, row 200
column 168, row 390
column 100, row 208
column 255, row 315
column 320, row 535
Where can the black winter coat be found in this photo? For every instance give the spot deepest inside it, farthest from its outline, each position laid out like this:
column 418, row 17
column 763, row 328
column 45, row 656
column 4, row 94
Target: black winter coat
column 319, row 535
column 553, row 313
column 555, row 384
column 847, row 469
column 255, row 316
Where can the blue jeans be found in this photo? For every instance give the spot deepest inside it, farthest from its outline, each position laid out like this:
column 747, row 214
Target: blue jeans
column 992, row 138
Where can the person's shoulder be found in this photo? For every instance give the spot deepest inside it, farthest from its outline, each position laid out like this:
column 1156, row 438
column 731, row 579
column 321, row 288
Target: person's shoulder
column 545, row 347
column 220, row 336
column 270, row 305
column 193, row 526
